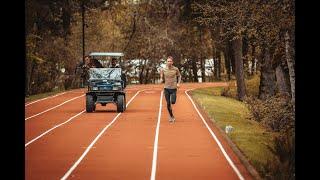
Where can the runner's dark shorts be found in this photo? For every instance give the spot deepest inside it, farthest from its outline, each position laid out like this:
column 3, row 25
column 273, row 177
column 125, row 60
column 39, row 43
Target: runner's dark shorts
column 170, row 95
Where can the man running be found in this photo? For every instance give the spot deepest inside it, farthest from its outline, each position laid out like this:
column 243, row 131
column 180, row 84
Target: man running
column 169, row 75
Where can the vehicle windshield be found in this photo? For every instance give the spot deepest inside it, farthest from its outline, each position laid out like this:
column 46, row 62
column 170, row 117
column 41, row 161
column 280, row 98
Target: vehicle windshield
column 105, row 73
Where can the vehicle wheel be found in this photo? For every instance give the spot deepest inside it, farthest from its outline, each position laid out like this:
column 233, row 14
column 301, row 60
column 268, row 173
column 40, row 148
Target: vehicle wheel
column 120, row 103
column 90, row 106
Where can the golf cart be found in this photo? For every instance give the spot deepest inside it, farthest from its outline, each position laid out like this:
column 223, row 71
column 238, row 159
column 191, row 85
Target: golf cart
column 106, row 85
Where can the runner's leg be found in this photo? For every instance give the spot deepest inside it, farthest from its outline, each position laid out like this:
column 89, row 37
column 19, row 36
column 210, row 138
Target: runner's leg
column 173, row 96
column 167, row 96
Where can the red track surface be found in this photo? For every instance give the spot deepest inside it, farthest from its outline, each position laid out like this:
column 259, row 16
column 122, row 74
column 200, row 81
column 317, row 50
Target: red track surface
column 186, row 149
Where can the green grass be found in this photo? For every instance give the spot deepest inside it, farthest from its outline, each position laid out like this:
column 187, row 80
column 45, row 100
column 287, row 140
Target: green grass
column 42, row 95
column 253, row 140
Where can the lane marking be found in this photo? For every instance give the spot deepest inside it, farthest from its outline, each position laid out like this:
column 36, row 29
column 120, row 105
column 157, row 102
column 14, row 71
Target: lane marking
column 67, row 174
column 53, row 107
column 216, row 139
column 44, row 99
column 156, row 140
column 46, row 132
column 53, row 128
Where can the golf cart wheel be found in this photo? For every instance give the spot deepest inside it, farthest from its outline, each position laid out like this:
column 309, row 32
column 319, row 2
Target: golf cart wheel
column 90, row 106
column 120, row 103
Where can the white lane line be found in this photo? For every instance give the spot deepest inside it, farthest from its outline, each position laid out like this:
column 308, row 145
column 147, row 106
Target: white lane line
column 216, row 139
column 53, row 128
column 94, row 141
column 53, row 107
column 44, row 98
column 156, row 139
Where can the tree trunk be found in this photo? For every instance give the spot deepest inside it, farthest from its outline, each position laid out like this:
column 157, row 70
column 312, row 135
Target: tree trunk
column 194, row 70
column 203, row 72
column 222, row 63
column 215, row 69
column 214, row 36
column 228, row 57
column 217, row 66
column 211, row 77
column 267, row 79
column 202, row 59
column 66, row 18
column 254, row 63
column 250, row 66
column 154, row 74
column 27, row 77
column 190, row 77
column 237, row 49
column 281, row 80
column 212, row 71
column 290, row 62
column 141, row 72
column 232, row 59
column 245, row 46
column 245, row 50
column 146, row 76
column 31, row 77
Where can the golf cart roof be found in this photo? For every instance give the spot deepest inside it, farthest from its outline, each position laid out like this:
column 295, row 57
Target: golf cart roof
column 111, row 54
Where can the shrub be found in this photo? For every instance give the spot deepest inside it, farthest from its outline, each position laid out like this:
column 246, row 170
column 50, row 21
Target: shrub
column 229, row 91
column 276, row 113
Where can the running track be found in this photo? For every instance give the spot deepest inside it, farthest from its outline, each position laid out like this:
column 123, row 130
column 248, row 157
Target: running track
column 62, row 141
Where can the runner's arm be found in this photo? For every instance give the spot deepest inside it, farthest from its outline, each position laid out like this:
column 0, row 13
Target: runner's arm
column 179, row 77
column 161, row 75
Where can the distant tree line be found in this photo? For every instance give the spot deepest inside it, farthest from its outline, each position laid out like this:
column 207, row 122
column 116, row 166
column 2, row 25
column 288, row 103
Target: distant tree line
column 241, row 37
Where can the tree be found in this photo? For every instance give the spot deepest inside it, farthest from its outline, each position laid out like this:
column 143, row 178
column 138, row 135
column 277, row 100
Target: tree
column 267, row 86
column 237, row 48
column 290, row 62
column 226, row 20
